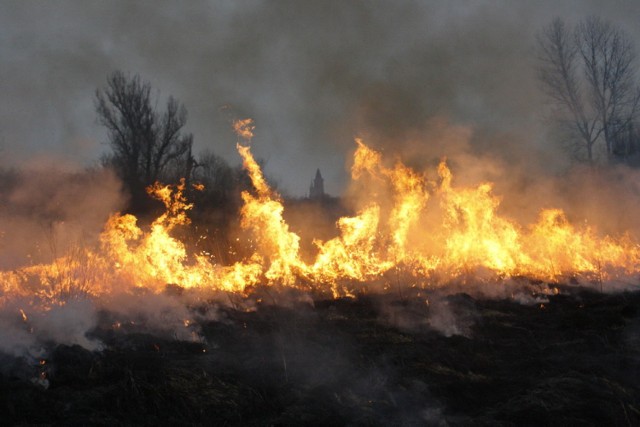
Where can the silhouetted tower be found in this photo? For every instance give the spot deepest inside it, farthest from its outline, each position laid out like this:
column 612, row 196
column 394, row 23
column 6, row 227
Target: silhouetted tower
column 316, row 190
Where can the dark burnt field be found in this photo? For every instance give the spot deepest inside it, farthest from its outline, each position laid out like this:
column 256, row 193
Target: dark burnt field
column 373, row 360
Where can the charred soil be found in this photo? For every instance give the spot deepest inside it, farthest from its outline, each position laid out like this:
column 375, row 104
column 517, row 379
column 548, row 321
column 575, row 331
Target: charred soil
column 573, row 359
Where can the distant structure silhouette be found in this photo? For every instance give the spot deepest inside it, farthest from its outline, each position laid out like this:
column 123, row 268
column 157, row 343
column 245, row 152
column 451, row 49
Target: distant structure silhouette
column 316, row 190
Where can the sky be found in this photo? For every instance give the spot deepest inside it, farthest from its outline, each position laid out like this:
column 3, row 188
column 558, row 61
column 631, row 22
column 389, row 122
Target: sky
column 312, row 74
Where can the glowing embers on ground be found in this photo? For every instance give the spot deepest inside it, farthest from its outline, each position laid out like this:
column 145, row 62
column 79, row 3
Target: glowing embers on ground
column 406, row 229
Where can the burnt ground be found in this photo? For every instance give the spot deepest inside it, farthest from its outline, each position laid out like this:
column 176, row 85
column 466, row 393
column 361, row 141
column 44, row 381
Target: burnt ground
column 373, row 360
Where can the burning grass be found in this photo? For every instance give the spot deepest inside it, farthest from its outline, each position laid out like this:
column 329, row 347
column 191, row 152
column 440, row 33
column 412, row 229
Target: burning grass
column 423, row 231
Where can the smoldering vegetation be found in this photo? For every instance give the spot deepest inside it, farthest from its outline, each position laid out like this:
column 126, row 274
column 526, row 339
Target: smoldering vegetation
column 372, row 360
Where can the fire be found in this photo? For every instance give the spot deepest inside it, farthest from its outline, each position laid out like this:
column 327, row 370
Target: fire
column 262, row 214
column 559, row 248
column 154, row 259
column 352, row 255
column 429, row 230
column 475, row 234
column 244, row 128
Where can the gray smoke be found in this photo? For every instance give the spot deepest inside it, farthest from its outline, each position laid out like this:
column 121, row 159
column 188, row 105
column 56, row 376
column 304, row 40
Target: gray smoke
column 311, row 74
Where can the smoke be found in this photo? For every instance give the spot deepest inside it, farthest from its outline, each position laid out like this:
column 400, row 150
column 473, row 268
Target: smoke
column 30, row 335
column 47, row 211
column 312, row 76
column 28, row 331
column 171, row 314
column 445, row 314
column 603, row 199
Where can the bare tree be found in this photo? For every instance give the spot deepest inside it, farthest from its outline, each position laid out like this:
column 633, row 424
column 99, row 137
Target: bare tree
column 588, row 72
column 146, row 144
column 217, row 176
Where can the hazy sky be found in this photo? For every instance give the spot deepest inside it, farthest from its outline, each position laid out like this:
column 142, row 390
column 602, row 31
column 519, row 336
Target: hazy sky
column 313, row 74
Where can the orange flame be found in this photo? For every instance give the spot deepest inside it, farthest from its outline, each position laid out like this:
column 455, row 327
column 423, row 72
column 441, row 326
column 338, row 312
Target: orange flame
column 433, row 231
column 244, row 128
column 263, row 215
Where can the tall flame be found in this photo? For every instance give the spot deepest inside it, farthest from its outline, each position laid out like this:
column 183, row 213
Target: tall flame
column 432, row 230
column 263, row 215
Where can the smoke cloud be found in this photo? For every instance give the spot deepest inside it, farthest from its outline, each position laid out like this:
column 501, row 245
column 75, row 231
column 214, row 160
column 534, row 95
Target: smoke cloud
column 47, row 212
column 312, row 76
